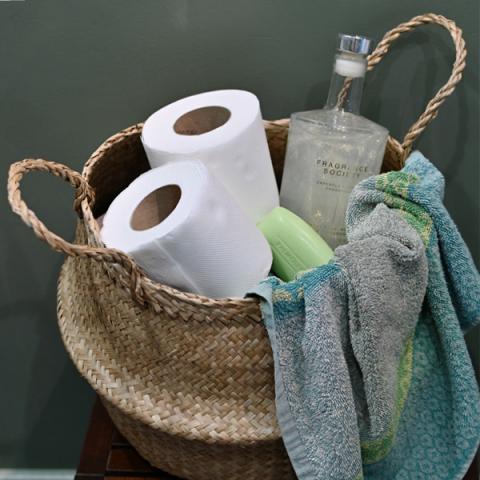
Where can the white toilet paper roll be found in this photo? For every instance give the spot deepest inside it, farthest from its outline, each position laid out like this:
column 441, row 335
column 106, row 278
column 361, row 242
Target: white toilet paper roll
column 185, row 230
column 224, row 130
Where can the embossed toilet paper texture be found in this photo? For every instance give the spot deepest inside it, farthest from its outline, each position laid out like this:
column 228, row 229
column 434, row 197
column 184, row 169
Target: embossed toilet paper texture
column 236, row 152
column 207, row 245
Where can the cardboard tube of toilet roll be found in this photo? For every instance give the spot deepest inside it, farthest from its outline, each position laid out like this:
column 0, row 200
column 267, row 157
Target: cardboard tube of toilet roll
column 185, row 230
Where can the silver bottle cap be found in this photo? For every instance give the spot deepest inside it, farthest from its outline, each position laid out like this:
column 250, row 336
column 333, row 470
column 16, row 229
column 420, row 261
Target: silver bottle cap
column 354, row 44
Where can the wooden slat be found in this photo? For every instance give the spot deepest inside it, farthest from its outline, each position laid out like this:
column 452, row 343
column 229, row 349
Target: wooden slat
column 118, row 440
column 89, row 476
column 127, row 460
column 96, row 447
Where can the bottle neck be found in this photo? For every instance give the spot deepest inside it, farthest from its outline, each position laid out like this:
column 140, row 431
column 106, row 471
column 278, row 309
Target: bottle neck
column 346, row 85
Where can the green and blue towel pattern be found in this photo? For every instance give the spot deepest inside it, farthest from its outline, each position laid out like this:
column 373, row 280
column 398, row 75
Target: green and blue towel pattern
column 372, row 375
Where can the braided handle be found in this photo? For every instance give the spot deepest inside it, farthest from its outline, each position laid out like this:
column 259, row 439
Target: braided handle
column 400, row 151
column 431, row 110
column 83, row 193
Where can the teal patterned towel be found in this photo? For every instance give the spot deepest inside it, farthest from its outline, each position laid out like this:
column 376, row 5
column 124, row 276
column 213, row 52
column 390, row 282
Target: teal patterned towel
column 372, row 375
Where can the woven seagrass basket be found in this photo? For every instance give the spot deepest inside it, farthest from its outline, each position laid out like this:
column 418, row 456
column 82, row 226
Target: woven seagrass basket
column 187, row 380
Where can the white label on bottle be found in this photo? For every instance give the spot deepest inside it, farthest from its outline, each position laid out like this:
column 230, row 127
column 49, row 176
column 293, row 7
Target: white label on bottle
column 350, row 68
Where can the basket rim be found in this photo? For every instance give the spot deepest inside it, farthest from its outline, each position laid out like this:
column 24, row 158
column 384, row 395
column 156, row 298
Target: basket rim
column 156, row 290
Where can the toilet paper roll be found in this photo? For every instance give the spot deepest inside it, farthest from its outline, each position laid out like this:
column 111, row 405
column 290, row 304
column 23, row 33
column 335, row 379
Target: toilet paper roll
column 224, row 130
column 185, row 230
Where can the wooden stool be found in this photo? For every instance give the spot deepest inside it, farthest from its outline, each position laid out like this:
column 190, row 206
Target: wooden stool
column 106, row 455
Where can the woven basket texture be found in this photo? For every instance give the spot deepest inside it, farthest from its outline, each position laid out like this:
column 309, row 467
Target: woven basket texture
column 188, row 380
column 185, row 386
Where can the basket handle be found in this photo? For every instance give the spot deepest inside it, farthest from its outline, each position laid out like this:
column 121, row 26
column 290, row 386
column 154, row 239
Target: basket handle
column 431, row 110
column 83, row 193
column 402, row 150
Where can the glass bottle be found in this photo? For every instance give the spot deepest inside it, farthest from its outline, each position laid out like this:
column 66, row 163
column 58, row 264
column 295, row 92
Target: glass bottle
column 330, row 150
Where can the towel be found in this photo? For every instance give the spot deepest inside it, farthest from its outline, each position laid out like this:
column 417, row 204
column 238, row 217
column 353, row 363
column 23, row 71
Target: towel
column 373, row 379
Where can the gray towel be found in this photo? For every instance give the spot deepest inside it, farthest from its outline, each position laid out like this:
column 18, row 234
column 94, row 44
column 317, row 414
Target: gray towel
column 363, row 366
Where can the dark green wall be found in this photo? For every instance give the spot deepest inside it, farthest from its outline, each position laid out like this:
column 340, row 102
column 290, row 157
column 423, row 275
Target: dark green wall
column 74, row 72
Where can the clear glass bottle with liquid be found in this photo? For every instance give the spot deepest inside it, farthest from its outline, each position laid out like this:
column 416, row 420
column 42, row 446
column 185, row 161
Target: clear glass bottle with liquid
column 330, row 150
